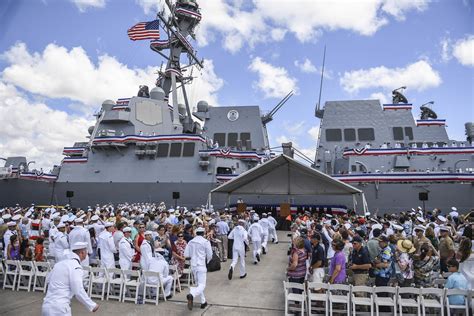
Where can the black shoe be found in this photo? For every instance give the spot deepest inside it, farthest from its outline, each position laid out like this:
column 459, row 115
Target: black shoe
column 243, row 276
column 255, row 262
column 264, row 251
column 276, row 243
column 258, row 257
column 190, row 301
column 204, row 305
column 273, row 239
column 169, row 296
column 231, row 270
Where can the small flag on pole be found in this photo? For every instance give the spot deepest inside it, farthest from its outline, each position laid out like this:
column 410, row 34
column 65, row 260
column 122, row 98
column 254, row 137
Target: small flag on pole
column 144, row 30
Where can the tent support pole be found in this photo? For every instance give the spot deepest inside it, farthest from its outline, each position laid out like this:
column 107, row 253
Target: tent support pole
column 228, row 200
column 354, row 202
column 289, row 185
column 209, row 200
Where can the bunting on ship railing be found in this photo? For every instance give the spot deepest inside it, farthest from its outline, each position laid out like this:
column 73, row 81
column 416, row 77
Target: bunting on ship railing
column 228, row 153
column 225, row 177
column 397, row 106
column 141, row 138
column 402, row 177
column 188, row 13
column 73, row 151
column 39, row 176
column 75, row 160
column 430, row 122
column 408, row 151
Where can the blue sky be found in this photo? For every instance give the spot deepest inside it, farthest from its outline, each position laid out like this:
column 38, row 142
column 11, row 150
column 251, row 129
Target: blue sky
column 61, row 58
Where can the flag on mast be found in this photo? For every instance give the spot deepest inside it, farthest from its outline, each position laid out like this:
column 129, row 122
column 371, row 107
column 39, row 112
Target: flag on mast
column 144, row 30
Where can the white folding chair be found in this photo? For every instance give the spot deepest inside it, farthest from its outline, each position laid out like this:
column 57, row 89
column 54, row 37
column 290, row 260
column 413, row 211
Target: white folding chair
column 176, row 281
column 115, row 284
column 98, row 282
column 131, row 285
column 41, row 272
column 465, row 306
column 86, row 277
column 11, row 274
column 321, row 295
column 432, row 298
column 26, row 274
column 439, row 283
column 366, row 298
column 339, row 294
column 389, row 298
column 2, row 271
column 152, row 286
column 294, row 297
column 188, row 277
column 408, row 297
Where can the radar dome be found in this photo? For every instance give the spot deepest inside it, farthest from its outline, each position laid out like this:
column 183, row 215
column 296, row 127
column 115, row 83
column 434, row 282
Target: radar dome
column 202, row 106
column 107, row 105
column 157, row 94
column 90, row 130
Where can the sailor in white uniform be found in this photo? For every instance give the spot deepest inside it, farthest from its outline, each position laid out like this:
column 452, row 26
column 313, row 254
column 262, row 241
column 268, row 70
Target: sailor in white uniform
column 256, row 234
column 61, row 243
column 80, row 234
column 240, row 237
column 64, row 282
column 6, row 236
column 159, row 264
column 272, row 233
column 126, row 250
column 146, row 250
column 265, row 226
column 200, row 251
column 52, row 235
column 107, row 247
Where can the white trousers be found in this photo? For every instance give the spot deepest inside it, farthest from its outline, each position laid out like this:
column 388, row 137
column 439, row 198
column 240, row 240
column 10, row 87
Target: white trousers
column 56, row 310
column 125, row 265
column 265, row 240
column 107, row 262
column 257, row 249
column 273, row 233
column 200, row 275
column 167, row 284
column 236, row 254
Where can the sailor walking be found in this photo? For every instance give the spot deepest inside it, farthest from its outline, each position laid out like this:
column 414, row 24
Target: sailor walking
column 265, row 226
column 200, row 251
column 107, row 247
column 146, row 250
column 64, row 282
column 240, row 237
column 61, row 243
column 272, row 228
column 80, row 234
column 256, row 234
column 126, row 250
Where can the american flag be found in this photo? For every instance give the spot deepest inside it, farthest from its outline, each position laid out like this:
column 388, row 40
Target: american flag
column 144, row 30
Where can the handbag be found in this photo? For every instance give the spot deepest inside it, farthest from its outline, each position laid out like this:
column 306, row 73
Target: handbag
column 214, row 264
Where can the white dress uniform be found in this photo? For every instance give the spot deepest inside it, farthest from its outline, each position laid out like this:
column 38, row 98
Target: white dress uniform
column 107, row 250
column 6, row 240
column 272, row 233
column 240, row 237
column 265, row 226
column 256, row 234
column 159, row 264
column 146, row 253
column 126, row 253
column 61, row 246
column 52, row 238
column 80, row 234
column 64, row 282
column 200, row 251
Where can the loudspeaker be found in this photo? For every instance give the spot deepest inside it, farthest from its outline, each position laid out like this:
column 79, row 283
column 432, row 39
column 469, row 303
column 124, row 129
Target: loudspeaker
column 423, row 196
column 69, row 194
column 175, row 195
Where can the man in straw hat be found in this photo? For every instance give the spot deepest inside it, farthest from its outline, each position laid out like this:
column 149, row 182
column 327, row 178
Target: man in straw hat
column 64, row 282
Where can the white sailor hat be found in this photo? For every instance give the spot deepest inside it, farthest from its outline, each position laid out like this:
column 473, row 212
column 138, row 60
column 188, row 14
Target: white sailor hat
column 56, row 216
column 1, row 221
column 419, row 227
column 347, row 225
column 78, row 220
column 367, row 214
column 79, row 245
column 64, row 218
column 17, row 217
column 61, row 225
column 264, row 214
column 454, row 208
column 377, row 226
column 252, row 211
column 442, row 218
column 421, row 219
column 11, row 224
column 198, row 213
column 241, row 221
column 327, row 222
column 148, row 232
column 444, row 228
column 6, row 217
column 397, row 227
column 108, row 224
column 200, row 230
column 71, row 218
column 95, row 218
column 28, row 214
column 127, row 230
column 328, row 215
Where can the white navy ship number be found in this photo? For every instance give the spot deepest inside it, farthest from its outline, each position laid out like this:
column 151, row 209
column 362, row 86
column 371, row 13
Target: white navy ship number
column 233, row 115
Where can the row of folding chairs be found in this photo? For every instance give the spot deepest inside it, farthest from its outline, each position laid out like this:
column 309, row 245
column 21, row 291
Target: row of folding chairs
column 328, row 299
column 24, row 275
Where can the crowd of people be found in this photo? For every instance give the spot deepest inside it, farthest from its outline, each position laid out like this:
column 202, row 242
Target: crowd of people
column 150, row 235
column 408, row 249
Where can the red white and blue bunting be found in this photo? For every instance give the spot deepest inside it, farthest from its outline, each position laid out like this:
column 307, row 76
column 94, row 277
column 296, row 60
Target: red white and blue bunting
column 75, row 160
column 39, row 176
column 139, row 138
column 228, row 153
column 430, row 122
column 408, row 151
column 188, row 13
column 73, row 151
column 398, row 106
column 404, row 177
column 225, row 177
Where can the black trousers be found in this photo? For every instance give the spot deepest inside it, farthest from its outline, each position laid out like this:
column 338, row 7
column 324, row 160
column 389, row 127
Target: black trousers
column 296, row 280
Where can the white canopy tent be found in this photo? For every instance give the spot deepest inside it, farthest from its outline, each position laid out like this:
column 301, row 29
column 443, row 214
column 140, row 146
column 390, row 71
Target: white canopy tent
column 284, row 175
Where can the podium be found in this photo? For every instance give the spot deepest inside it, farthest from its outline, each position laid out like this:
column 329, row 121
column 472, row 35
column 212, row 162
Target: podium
column 241, row 208
column 285, row 210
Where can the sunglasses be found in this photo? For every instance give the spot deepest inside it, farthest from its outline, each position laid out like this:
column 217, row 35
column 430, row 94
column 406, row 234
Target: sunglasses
column 142, row 227
column 180, row 236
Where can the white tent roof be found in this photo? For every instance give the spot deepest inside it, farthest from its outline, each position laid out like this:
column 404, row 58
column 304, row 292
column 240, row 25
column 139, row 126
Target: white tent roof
column 283, row 175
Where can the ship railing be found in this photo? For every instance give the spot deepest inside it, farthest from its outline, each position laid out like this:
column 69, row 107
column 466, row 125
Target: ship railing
column 7, row 172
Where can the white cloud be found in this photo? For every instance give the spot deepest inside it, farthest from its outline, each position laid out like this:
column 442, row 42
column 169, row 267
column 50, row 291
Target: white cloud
column 274, row 82
column 83, row 5
column 150, row 6
column 294, row 128
column 463, row 50
column 418, row 76
column 380, row 96
column 398, row 8
column 314, row 133
column 35, row 130
column 306, row 66
column 446, row 49
column 61, row 73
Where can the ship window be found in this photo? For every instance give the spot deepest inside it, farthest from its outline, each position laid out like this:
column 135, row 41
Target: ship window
column 398, row 133
column 232, row 139
column 175, row 150
column 366, row 134
column 353, row 168
column 163, row 150
column 244, row 137
column 409, row 133
column 333, row 135
column 224, row 170
column 220, row 139
column 349, row 134
column 188, row 149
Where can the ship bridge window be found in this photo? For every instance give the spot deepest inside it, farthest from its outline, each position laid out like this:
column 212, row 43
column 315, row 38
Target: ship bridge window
column 409, row 133
column 349, row 134
column 188, row 149
column 366, row 134
column 175, row 150
column 244, row 137
column 163, row 149
column 232, row 139
column 224, row 170
column 333, row 135
column 398, row 133
column 220, row 139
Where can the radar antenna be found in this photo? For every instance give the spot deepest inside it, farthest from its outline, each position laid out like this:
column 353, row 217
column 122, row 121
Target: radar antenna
column 269, row 117
column 427, row 112
column 319, row 113
column 398, row 97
